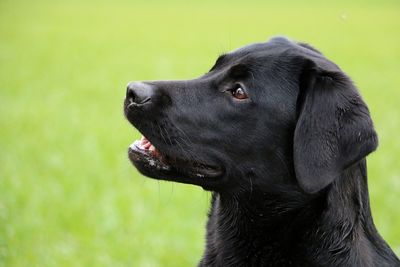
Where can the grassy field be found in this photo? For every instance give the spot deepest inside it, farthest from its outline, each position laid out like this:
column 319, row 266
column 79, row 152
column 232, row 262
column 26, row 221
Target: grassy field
column 68, row 195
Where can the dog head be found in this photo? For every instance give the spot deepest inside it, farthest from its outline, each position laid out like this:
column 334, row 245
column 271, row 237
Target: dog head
column 266, row 115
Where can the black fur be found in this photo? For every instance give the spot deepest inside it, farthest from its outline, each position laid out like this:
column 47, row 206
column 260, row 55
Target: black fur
column 286, row 165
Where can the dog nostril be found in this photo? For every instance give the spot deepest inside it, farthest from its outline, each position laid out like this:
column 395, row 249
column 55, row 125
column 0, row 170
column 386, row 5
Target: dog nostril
column 130, row 94
column 139, row 93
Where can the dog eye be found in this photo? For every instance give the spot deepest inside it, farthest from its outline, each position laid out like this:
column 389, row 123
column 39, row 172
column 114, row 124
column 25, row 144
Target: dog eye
column 239, row 93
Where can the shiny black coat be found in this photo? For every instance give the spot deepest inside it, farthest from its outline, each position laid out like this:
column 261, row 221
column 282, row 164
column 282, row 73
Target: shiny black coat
column 286, row 164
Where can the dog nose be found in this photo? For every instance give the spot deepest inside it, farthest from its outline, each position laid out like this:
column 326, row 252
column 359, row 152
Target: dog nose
column 139, row 93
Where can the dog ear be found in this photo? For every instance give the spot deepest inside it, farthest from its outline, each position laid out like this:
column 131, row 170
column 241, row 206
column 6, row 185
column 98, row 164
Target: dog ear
column 334, row 128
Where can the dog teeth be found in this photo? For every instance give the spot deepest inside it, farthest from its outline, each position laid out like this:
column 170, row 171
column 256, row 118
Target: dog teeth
column 137, row 143
column 144, row 140
column 144, row 144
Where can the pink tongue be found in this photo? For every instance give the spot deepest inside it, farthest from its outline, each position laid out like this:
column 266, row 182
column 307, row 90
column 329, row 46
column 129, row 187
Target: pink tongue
column 144, row 143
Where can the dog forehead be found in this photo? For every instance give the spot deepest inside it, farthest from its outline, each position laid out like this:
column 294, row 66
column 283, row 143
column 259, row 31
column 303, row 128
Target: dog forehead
column 272, row 45
column 278, row 51
column 272, row 51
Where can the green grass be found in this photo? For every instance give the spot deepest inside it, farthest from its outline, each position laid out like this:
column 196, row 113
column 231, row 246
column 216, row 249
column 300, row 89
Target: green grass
column 69, row 196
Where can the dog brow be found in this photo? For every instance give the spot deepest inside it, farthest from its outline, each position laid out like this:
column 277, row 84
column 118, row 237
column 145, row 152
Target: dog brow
column 219, row 61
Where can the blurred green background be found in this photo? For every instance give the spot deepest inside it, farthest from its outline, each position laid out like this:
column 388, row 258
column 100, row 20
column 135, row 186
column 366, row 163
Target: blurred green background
column 69, row 196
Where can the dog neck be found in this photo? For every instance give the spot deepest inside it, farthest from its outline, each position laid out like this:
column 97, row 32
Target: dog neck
column 289, row 226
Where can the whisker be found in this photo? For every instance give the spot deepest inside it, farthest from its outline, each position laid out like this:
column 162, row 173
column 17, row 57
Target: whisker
column 161, row 133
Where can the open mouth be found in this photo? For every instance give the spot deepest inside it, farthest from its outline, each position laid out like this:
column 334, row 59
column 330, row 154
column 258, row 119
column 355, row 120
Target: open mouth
column 151, row 162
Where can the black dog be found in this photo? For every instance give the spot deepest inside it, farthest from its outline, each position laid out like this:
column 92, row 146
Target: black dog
column 279, row 134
